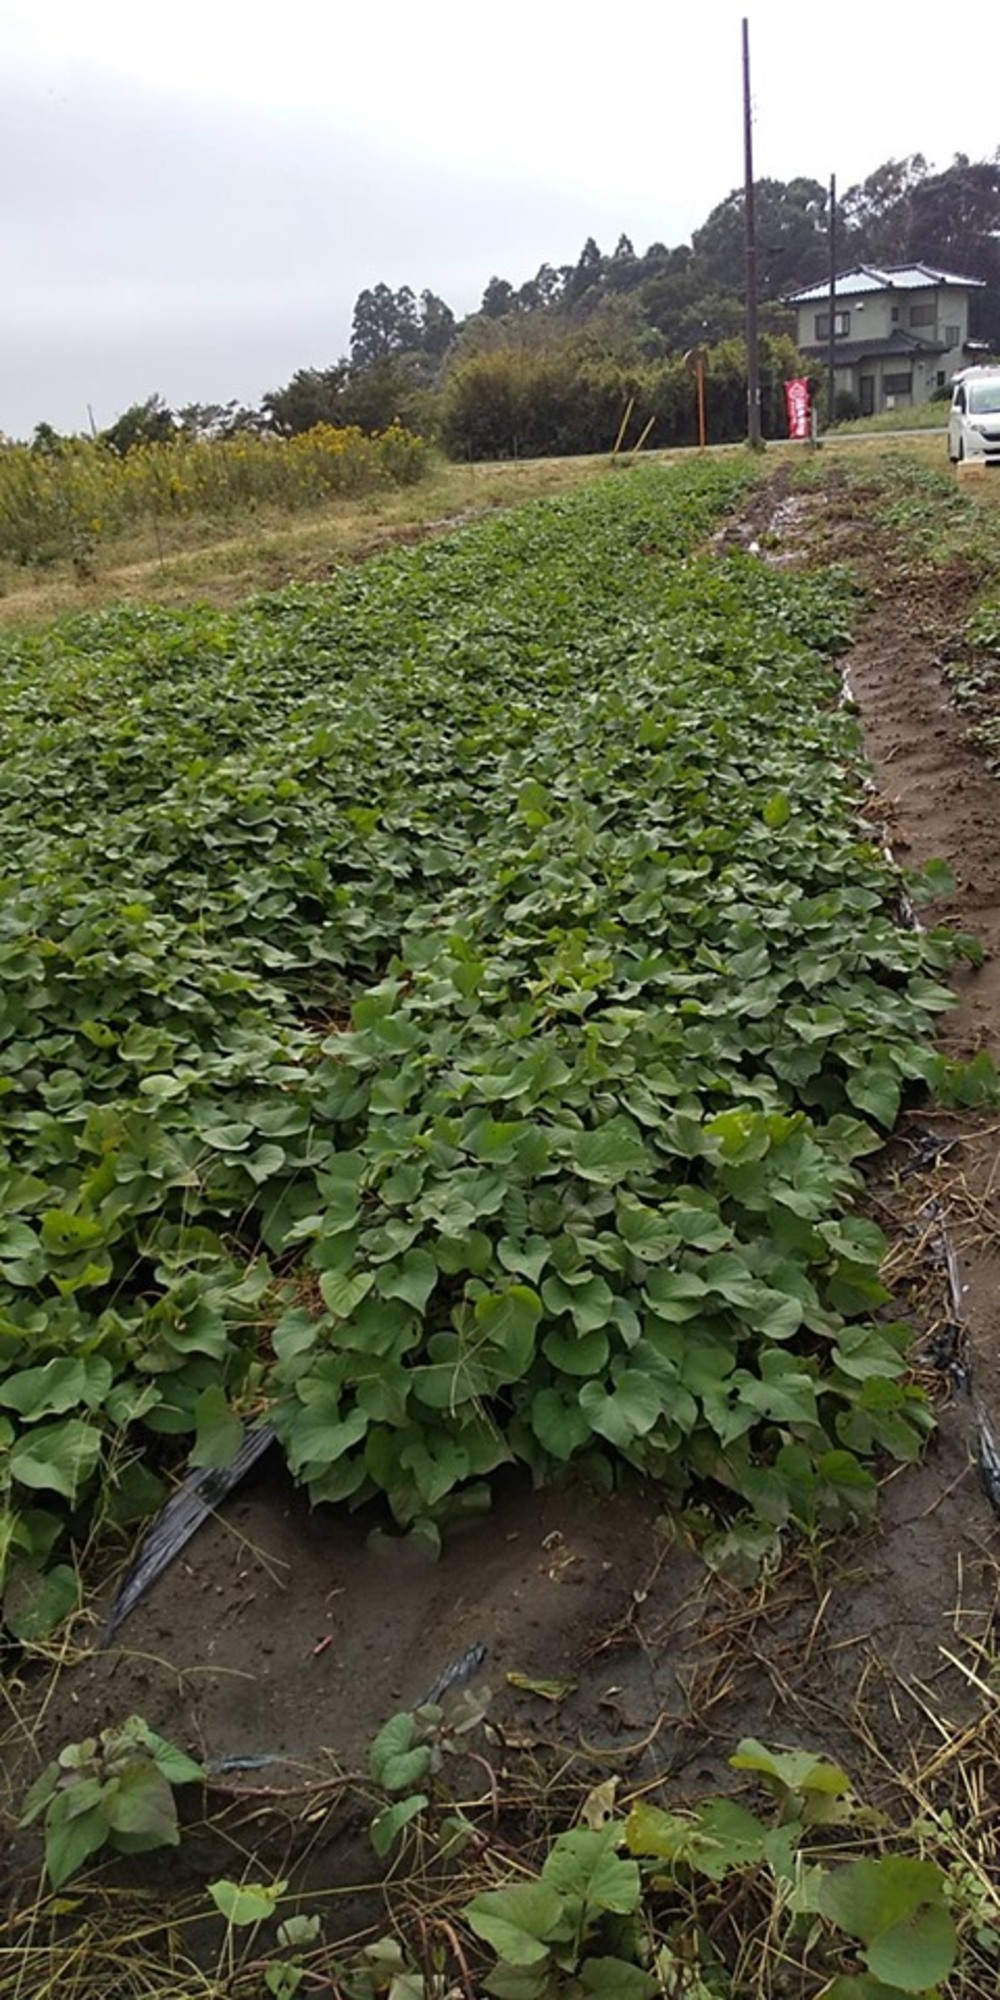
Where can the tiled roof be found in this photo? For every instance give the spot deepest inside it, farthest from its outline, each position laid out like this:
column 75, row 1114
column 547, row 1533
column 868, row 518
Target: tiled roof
column 891, row 278
column 884, row 347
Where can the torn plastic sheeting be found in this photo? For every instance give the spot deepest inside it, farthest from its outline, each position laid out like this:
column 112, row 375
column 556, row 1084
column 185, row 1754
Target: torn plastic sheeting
column 929, row 1149
column 956, row 1362
column 988, row 1459
column 253, row 1760
column 947, row 1350
column 456, row 1674
column 960, row 1368
column 185, row 1512
column 907, row 911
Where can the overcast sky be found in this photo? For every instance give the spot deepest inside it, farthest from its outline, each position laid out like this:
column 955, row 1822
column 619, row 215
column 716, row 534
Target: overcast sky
column 193, row 194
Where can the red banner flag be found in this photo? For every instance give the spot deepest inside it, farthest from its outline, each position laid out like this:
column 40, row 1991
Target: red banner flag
column 797, row 408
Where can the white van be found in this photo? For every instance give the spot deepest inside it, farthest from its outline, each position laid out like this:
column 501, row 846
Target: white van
column 974, row 417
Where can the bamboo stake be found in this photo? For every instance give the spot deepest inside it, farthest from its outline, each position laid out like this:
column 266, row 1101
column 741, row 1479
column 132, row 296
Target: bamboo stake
column 623, row 426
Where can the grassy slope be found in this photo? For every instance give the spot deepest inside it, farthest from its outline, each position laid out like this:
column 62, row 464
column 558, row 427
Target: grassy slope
column 196, row 562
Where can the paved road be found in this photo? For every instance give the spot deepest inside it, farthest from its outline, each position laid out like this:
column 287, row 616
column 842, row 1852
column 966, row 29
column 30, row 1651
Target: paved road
column 925, row 430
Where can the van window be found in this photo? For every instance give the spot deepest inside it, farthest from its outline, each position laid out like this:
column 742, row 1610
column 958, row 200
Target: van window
column 959, row 403
column 984, row 397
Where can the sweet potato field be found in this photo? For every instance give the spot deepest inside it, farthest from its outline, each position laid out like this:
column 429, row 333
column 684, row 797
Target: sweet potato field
column 442, row 1012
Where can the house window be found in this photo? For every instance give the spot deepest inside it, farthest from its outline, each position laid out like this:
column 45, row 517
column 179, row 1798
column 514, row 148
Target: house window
column 898, row 385
column 940, row 378
column 953, row 336
column 895, row 314
column 923, row 315
column 841, row 325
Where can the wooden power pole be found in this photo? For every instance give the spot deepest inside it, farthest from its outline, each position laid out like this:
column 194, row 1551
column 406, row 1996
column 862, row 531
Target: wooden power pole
column 754, row 439
column 831, row 351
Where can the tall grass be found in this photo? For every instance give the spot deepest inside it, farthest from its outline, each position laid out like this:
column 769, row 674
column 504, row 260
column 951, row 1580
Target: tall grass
column 931, row 416
column 67, row 502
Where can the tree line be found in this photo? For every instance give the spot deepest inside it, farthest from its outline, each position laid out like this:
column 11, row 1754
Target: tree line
column 549, row 363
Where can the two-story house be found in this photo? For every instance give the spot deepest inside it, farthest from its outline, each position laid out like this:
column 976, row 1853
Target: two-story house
column 899, row 333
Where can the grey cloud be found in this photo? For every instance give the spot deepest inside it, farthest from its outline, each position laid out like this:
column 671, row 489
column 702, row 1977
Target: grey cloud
column 208, row 250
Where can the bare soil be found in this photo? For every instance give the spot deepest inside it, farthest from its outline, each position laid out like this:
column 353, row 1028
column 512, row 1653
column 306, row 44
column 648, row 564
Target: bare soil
column 281, row 1640
column 936, row 799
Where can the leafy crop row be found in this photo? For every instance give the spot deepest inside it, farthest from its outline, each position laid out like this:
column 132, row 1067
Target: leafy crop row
column 445, row 1006
column 975, row 678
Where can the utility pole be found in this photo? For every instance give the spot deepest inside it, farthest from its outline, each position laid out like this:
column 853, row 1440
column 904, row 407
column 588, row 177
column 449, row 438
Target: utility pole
column 753, row 351
column 831, row 352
